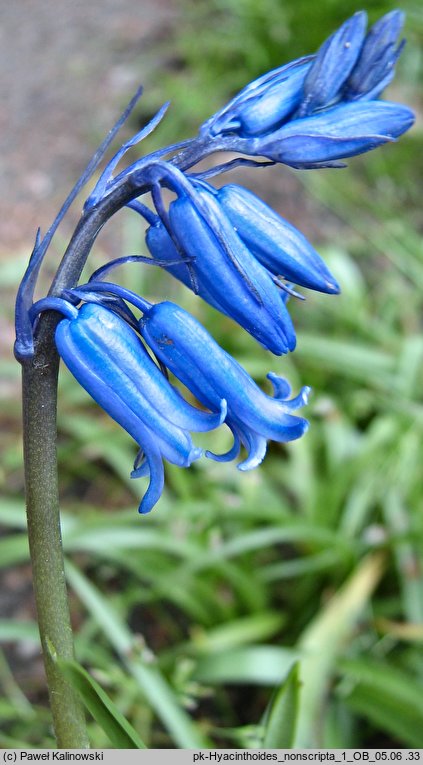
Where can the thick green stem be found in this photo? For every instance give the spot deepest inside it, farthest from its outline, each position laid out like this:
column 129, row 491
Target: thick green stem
column 40, row 433
column 39, row 413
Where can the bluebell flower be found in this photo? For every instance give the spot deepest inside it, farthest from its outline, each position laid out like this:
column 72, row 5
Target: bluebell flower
column 221, row 269
column 278, row 245
column 108, row 359
column 376, row 66
column 187, row 349
column 333, row 64
column 264, row 104
column 226, row 245
column 328, row 136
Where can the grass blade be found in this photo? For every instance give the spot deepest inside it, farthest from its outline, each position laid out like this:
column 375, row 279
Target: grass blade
column 322, row 642
column 282, row 713
column 121, row 734
column 151, row 682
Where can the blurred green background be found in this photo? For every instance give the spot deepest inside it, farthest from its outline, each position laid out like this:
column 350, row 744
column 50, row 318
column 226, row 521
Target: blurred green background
column 192, row 617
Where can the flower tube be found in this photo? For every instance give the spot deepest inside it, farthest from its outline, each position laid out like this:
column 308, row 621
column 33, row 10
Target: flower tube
column 278, row 245
column 187, row 349
column 226, row 274
column 328, row 136
column 108, row 359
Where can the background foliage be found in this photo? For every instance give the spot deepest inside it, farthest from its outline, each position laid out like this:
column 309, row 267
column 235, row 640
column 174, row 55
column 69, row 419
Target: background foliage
column 190, row 619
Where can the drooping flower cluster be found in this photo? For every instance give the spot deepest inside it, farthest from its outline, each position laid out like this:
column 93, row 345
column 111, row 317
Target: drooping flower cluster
column 227, row 246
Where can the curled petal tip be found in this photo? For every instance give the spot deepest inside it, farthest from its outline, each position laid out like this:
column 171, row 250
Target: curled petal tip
column 223, row 410
column 194, row 455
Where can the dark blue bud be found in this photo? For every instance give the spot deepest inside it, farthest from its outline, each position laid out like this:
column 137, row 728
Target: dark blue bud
column 278, row 245
column 376, row 66
column 343, row 131
column 333, row 64
column 108, row 359
column 225, row 272
column 195, row 358
column 262, row 105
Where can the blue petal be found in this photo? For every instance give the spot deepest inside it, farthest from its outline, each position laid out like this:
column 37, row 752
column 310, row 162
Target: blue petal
column 98, row 364
column 376, row 66
column 266, row 111
column 281, row 391
column 344, row 131
column 278, row 245
column 154, row 467
column 281, row 387
column 263, row 104
column 333, row 64
column 204, row 367
column 256, row 446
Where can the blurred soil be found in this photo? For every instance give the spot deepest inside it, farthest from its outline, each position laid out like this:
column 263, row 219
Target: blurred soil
column 67, row 69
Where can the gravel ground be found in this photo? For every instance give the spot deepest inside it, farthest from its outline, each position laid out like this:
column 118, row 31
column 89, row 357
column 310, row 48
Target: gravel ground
column 66, row 70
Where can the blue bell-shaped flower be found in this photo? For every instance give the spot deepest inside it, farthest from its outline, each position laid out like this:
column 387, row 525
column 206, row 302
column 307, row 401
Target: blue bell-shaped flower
column 220, row 268
column 328, row 136
column 278, row 245
column 195, row 358
column 109, row 360
column 376, row 66
column 264, row 104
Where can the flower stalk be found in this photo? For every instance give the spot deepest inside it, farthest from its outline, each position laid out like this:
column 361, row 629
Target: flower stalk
column 39, row 386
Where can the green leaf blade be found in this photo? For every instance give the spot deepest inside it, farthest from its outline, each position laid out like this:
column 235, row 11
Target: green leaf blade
column 282, row 713
column 121, row 734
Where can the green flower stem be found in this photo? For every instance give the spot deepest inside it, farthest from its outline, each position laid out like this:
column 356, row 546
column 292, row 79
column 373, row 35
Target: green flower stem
column 39, row 416
column 39, row 392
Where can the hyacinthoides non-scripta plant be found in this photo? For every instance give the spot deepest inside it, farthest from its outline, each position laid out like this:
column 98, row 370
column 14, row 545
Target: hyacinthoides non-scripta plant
column 231, row 250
